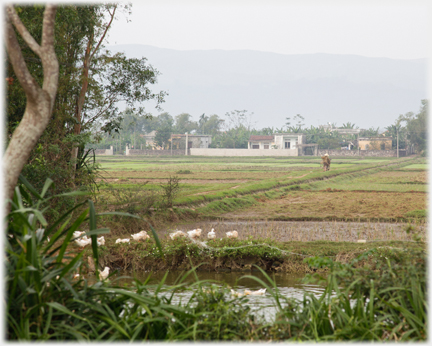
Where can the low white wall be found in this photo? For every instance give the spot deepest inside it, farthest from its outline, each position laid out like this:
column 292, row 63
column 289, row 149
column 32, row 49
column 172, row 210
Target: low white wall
column 242, row 152
column 105, row 151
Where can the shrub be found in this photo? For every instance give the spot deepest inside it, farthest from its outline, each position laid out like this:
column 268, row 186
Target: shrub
column 170, row 190
column 133, row 200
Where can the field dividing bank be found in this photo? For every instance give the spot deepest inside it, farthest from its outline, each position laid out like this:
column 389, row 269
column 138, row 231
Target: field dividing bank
column 295, row 193
column 253, row 182
column 294, row 200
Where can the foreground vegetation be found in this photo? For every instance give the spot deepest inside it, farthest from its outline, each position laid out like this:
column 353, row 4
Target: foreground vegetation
column 383, row 299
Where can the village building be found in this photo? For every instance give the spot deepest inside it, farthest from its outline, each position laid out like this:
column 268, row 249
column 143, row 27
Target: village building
column 194, row 141
column 277, row 141
column 150, row 139
column 375, row 143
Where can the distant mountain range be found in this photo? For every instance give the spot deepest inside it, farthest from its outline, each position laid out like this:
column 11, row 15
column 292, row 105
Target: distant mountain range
column 370, row 92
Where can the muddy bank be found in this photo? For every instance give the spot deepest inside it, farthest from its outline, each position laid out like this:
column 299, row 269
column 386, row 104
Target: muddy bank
column 219, row 265
column 229, row 255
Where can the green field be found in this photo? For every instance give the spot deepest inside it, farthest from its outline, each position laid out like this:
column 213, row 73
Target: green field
column 264, row 187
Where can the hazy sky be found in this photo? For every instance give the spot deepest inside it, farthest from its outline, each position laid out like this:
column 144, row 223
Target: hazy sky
column 379, row 28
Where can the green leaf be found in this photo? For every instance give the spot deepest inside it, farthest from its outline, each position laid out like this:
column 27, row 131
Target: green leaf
column 92, row 225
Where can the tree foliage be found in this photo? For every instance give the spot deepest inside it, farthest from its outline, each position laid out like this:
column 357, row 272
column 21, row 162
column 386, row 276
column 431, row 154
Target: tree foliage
column 80, row 32
column 417, row 128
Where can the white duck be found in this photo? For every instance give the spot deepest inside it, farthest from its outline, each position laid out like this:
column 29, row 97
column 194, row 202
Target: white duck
column 140, row 236
column 195, row 233
column 177, row 234
column 104, row 274
column 84, row 241
column 233, row 234
column 77, row 234
column 127, row 240
column 236, row 294
column 260, row 292
column 100, row 241
column 211, row 234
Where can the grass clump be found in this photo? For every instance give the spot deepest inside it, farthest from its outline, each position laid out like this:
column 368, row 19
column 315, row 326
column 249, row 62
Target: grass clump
column 417, row 214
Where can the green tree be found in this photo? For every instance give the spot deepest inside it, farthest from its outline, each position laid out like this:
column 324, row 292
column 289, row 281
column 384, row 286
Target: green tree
column 202, row 122
column 371, row 132
column 91, row 84
column 298, row 119
column 213, row 125
column 397, row 129
column 417, row 128
column 164, row 129
column 239, row 125
column 184, row 123
column 348, row 125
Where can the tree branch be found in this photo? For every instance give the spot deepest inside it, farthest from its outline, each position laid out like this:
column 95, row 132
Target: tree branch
column 106, row 30
column 49, row 58
column 26, row 80
column 28, row 38
column 39, row 101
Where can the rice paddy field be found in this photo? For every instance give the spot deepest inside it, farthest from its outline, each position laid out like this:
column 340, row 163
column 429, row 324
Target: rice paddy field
column 381, row 196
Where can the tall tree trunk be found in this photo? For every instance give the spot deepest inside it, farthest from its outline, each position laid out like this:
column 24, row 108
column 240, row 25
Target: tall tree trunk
column 81, row 99
column 40, row 101
column 80, row 102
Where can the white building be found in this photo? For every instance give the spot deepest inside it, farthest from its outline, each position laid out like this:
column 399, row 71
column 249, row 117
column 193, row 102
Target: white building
column 277, row 141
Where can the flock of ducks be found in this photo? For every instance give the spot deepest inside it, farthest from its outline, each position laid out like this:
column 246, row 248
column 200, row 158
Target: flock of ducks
column 82, row 240
column 196, row 233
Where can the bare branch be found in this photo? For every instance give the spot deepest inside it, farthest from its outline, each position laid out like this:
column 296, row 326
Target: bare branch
column 26, row 80
column 109, row 101
column 106, row 30
column 28, row 38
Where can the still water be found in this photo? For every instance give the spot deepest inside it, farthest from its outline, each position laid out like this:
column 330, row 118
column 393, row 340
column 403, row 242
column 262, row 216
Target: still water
column 289, row 285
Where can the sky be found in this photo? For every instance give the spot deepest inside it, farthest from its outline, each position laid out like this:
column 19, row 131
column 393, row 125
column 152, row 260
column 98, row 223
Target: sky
column 380, row 28
column 397, row 29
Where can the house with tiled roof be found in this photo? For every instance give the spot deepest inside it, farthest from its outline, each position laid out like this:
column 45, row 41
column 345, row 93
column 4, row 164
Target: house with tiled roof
column 260, row 142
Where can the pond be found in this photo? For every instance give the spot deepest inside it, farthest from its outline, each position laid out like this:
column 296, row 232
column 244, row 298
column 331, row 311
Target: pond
column 289, row 285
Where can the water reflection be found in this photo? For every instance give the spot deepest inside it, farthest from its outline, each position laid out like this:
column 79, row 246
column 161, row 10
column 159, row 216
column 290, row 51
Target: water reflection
column 289, row 285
